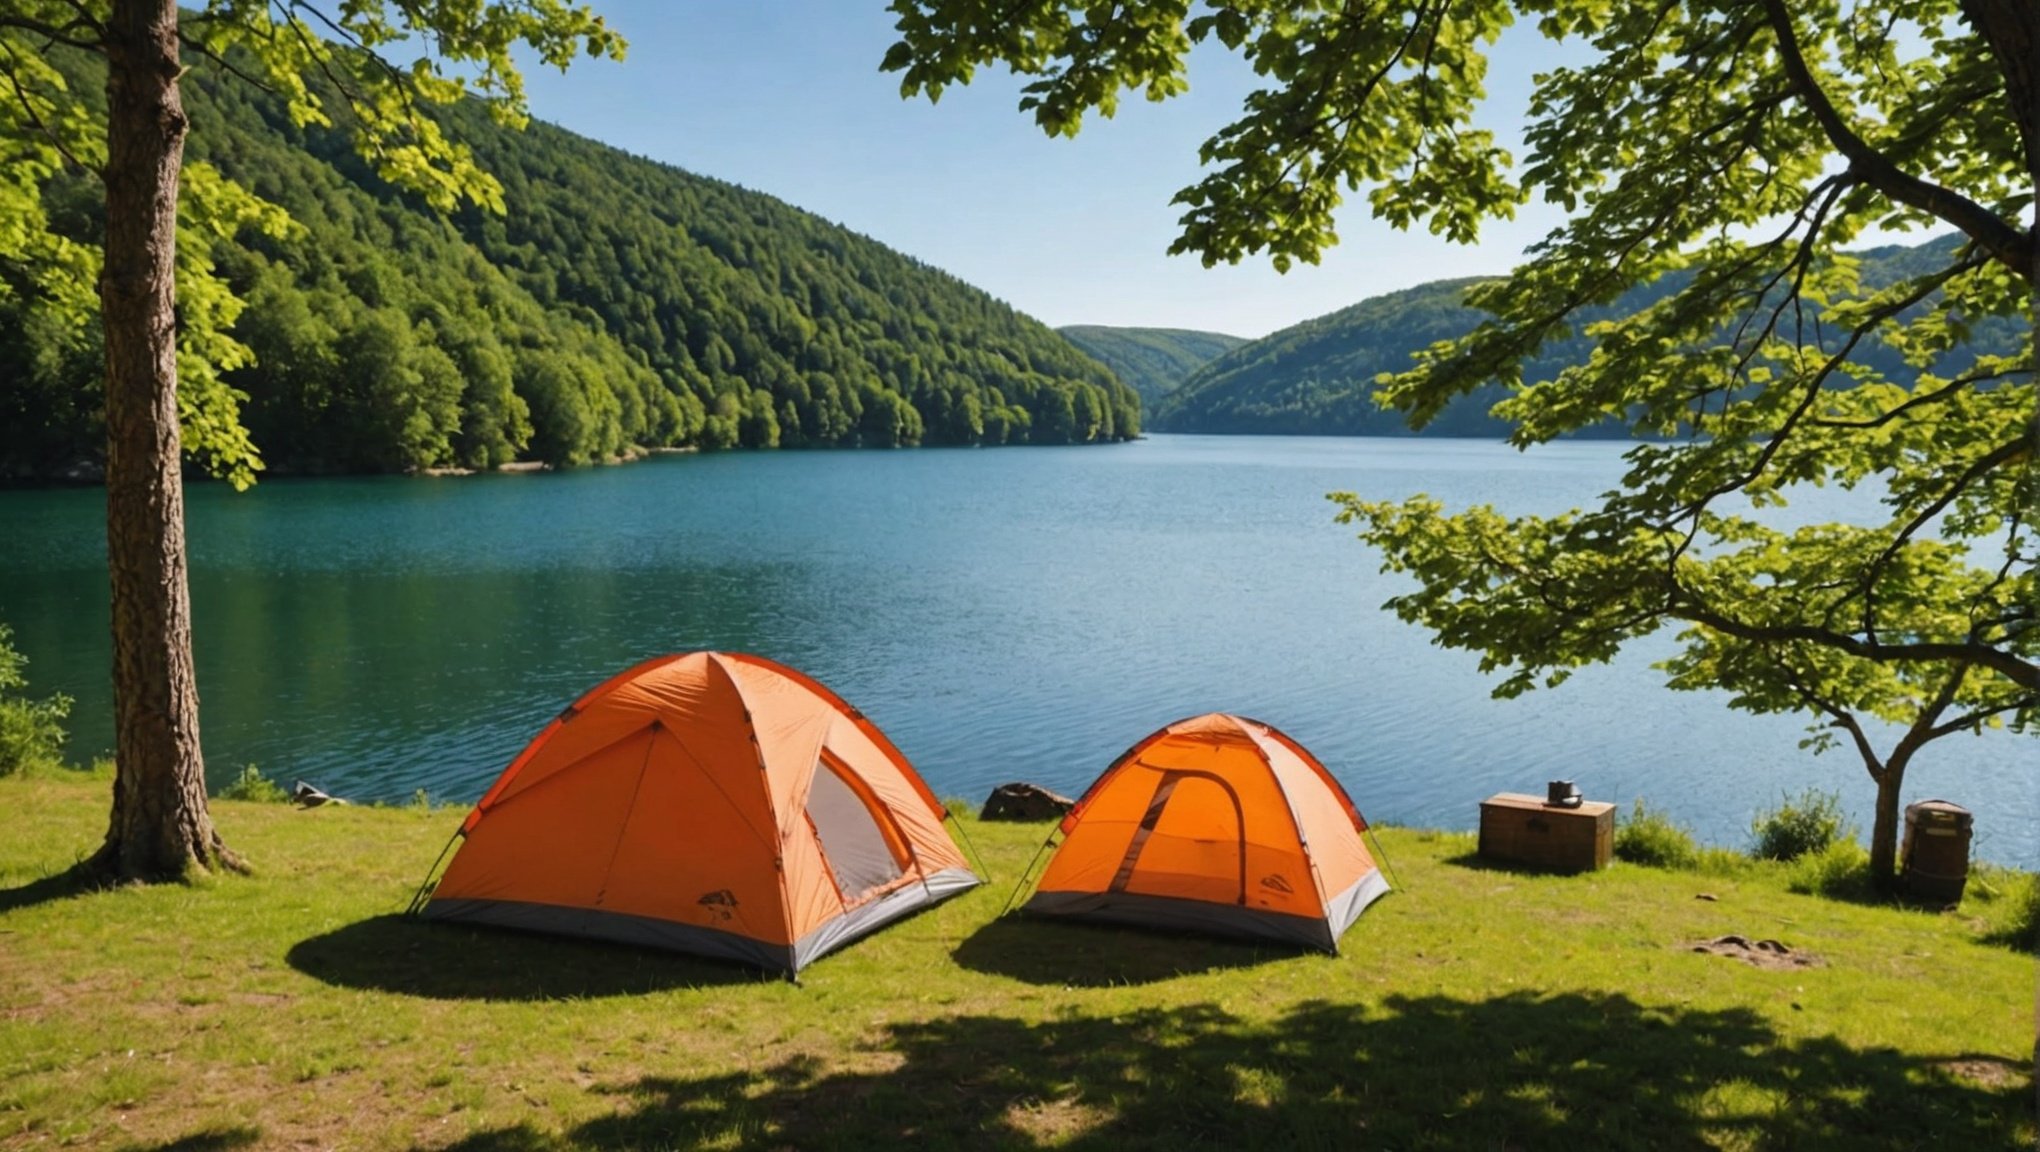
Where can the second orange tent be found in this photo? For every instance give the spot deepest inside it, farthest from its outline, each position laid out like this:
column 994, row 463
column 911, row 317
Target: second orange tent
column 1218, row 824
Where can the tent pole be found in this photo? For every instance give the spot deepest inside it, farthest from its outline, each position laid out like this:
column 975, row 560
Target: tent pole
column 1393, row 881
column 1018, row 888
column 418, row 900
column 975, row 855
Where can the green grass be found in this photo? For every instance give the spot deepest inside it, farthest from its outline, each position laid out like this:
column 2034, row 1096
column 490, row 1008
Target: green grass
column 1475, row 1008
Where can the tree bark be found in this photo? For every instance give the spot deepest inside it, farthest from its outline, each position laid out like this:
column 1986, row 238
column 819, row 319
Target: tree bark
column 160, row 828
column 1884, row 828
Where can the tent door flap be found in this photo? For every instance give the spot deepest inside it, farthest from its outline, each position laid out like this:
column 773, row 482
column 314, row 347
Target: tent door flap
column 861, row 857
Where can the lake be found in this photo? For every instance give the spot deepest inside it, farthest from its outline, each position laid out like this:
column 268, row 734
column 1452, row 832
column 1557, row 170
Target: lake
column 1004, row 614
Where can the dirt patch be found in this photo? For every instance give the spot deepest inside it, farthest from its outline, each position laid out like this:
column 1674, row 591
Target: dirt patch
column 1054, row 1121
column 1758, row 953
column 1985, row 1070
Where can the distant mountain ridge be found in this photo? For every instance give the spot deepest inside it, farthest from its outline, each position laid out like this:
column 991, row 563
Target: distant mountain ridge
column 1317, row 377
column 1154, row 361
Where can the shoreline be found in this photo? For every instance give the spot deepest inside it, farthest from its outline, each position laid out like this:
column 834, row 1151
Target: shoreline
column 93, row 475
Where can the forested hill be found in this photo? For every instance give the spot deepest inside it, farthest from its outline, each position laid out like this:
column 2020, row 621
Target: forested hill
column 618, row 303
column 1154, row 360
column 1317, row 377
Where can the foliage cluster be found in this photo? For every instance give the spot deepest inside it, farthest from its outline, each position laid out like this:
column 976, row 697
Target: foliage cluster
column 1650, row 837
column 2008, row 903
column 1154, row 361
column 1808, row 833
column 31, row 731
column 614, row 303
column 1803, row 825
column 252, row 785
column 1839, row 870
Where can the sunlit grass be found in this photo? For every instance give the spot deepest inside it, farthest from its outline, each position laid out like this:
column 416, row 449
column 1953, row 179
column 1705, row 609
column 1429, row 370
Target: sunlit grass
column 1474, row 1008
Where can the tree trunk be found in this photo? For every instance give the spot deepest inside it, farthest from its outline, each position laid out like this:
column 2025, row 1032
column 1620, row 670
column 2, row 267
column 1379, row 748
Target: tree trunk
column 160, row 827
column 1884, row 829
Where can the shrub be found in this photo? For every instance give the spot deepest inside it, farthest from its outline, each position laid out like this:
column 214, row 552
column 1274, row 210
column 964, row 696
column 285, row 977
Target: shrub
column 1840, row 870
column 1651, row 838
column 1801, row 825
column 31, row 731
column 1722, row 862
column 251, row 784
column 2009, row 903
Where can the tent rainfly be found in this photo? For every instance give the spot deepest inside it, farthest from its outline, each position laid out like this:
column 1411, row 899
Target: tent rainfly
column 1215, row 824
column 712, row 803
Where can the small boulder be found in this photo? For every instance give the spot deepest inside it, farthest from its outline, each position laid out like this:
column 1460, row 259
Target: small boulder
column 1029, row 802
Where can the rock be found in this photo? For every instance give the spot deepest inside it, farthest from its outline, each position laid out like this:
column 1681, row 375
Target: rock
column 1024, row 802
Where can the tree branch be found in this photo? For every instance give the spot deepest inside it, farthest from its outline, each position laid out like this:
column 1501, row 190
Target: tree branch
column 56, row 34
column 2024, row 673
column 1945, row 391
column 205, row 50
column 28, row 110
column 1840, row 718
column 2004, row 242
column 1974, row 718
column 2003, row 454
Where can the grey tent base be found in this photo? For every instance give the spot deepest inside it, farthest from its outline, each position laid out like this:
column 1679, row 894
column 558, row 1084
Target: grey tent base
column 650, row 932
column 1179, row 915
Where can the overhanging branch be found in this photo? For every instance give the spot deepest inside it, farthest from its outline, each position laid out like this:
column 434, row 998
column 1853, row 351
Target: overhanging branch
column 2005, row 243
column 57, row 34
column 2024, row 673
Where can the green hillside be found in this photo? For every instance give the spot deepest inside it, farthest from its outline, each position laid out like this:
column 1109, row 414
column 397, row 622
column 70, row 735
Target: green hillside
column 1155, row 361
column 1316, row 378
column 618, row 304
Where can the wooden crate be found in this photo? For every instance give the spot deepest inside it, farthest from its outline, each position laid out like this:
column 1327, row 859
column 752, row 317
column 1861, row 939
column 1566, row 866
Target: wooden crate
column 1521, row 829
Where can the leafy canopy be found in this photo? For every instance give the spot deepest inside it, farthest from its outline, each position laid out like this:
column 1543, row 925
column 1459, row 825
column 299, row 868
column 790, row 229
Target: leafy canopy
column 1737, row 148
column 305, row 53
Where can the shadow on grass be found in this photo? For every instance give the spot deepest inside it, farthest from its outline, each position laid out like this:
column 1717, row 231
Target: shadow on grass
column 1562, row 1072
column 1479, row 863
column 62, row 886
column 218, row 1139
column 456, row 962
column 1044, row 951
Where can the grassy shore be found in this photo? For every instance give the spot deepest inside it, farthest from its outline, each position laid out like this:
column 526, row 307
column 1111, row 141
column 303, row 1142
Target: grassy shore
column 1474, row 1008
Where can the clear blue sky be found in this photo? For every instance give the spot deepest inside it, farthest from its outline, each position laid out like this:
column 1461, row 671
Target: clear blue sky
column 786, row 98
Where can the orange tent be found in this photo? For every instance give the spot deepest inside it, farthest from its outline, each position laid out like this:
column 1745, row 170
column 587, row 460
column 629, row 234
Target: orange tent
column 712, row 803
column 1217, row 824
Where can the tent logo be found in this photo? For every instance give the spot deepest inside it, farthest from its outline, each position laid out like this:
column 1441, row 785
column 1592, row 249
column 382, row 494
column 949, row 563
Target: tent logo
column 1276, row 883
column 719, row 903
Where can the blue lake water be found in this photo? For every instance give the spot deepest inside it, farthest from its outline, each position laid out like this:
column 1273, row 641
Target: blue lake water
column 1003, row 614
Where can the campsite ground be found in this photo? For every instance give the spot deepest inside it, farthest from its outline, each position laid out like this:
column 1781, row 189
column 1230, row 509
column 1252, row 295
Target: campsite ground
column 1475, row 1008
